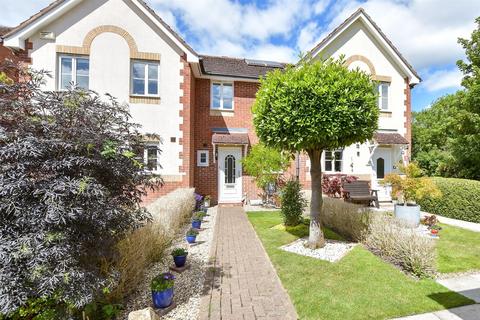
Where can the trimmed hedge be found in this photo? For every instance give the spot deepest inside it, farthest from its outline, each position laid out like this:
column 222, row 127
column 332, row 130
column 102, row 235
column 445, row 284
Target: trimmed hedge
column 460, row 199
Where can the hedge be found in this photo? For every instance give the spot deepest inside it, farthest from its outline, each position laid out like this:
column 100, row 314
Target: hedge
column 460, row 199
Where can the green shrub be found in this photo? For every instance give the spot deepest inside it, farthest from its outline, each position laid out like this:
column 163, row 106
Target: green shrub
column 162, row 282
column 347, row 219
column 402, row 246
column 460, row 199
column 292, row 203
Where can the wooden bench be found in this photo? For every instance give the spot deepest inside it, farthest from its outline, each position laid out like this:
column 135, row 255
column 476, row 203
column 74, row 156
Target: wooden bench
column 359, row 192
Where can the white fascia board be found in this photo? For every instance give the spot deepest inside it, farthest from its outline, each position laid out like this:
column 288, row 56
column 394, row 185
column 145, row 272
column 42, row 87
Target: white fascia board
column 17, row 39
column 191, row 56
column 413, row 79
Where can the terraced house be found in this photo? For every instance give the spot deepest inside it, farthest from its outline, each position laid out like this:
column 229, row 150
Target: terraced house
column 200, row 105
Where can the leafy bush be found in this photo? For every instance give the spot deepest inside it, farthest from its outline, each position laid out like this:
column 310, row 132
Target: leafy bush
column 349, row 220
column 332, row 184
column 460, row 199
column 412, row 187
column 265, row 164
column 293, row 203
column 404, row 247
column 70, row 189
column 162, row 282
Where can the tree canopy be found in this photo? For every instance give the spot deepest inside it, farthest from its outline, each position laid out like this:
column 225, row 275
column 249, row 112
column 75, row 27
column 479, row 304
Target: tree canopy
column 447, row 135
column 311, row 107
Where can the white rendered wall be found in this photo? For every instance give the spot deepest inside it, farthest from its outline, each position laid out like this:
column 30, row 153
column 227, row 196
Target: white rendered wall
column 110, row 65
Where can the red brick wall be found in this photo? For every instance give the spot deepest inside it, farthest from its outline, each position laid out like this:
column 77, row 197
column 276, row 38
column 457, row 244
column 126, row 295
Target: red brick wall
column 20, row 56
column 244, row 96
column 408, row 116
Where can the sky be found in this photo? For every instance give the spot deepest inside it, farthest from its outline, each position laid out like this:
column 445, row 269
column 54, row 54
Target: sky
column 425, row 31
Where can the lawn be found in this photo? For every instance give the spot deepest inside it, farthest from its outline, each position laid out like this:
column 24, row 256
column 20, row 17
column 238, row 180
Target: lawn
column 458, row 250
column 360, row 286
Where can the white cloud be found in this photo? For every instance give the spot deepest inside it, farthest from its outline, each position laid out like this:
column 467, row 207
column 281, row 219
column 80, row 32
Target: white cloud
column 442, row 79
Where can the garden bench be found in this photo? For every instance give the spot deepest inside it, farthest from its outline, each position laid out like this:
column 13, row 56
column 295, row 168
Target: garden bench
column 359, row 191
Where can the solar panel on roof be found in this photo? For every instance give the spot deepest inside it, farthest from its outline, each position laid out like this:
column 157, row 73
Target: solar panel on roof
column 263, row 63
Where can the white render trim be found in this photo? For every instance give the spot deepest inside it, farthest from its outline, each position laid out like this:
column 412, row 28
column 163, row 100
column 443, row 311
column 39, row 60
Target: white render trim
column 17, row 39
column 373, row 31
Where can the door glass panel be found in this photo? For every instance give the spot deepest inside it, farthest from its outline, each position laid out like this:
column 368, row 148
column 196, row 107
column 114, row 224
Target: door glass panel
column 230, row 169
column 380, row 168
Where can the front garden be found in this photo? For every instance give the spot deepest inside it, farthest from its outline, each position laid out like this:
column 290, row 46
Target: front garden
column 361, row 285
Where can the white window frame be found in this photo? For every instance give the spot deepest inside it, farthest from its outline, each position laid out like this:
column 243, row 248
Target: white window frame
column 199, row 157
column 380, row 97
column 222, row 83
column 145, row 157
column 333, row 160
column 74, row 69
column 145, row 78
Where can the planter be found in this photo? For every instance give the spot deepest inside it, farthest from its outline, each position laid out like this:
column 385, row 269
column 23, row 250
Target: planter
column 196, row 224
column 162, row 299
column 180, row 260
column 191, row 239
column 409, row 214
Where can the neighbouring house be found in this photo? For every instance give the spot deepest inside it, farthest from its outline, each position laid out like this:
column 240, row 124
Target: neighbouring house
column 200, row 105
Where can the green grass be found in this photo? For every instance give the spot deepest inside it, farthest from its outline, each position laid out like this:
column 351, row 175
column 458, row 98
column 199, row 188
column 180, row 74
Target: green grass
column 360, row 286
column 458, row 250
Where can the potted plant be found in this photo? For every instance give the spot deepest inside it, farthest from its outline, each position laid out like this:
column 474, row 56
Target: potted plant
column 206, row 201
column 162, row 290
column 192, row 235
column 434, row 229
column 408, row 188
column 179, row 257
column 197, row 221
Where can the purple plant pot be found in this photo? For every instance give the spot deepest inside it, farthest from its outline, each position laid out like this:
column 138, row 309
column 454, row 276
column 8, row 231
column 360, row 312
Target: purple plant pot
column 162, row 299
column 196, row 224
column 180, row 261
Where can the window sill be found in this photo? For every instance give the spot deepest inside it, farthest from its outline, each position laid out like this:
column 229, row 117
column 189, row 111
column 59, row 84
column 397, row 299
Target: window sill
column 144, row 99
column 222, row 112
column 385, row 113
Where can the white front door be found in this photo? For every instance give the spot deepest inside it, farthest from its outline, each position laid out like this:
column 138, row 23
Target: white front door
column 229, row 174
column 382, row 165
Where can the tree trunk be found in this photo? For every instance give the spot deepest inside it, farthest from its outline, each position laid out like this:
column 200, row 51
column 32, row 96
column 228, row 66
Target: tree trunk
column 316, row 238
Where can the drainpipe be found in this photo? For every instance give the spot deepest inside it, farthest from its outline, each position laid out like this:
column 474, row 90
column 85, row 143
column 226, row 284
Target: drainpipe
column 297, row 165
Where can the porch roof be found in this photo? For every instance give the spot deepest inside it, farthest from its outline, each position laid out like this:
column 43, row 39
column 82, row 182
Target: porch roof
column 230, row 138
column 389, row 138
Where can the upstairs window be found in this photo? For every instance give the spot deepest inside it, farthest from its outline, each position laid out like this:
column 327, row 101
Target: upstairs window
column 145, row 78
column 333, row 161
column 222, row 96
column 383, row 91
column 73, row 71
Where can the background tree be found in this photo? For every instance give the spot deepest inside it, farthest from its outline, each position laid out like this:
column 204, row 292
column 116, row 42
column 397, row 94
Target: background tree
column 314, row 107
column 447, row 135
column 70, row 188
column 265, row 164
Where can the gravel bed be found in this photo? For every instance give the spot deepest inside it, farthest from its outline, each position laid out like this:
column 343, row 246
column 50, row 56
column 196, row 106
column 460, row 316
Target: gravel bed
column 188, row 284
column 333, row 250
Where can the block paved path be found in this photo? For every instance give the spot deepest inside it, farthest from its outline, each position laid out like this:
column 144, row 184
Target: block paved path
column 241, row 282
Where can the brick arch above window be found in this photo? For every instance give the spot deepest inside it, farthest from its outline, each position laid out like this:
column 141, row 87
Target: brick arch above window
column 371, row 67
column 92, row 34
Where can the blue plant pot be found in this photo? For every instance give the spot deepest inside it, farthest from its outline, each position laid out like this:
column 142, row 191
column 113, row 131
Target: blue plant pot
column 196, row 224
column 180, row 261
column 162, row 299
column 191, row 239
